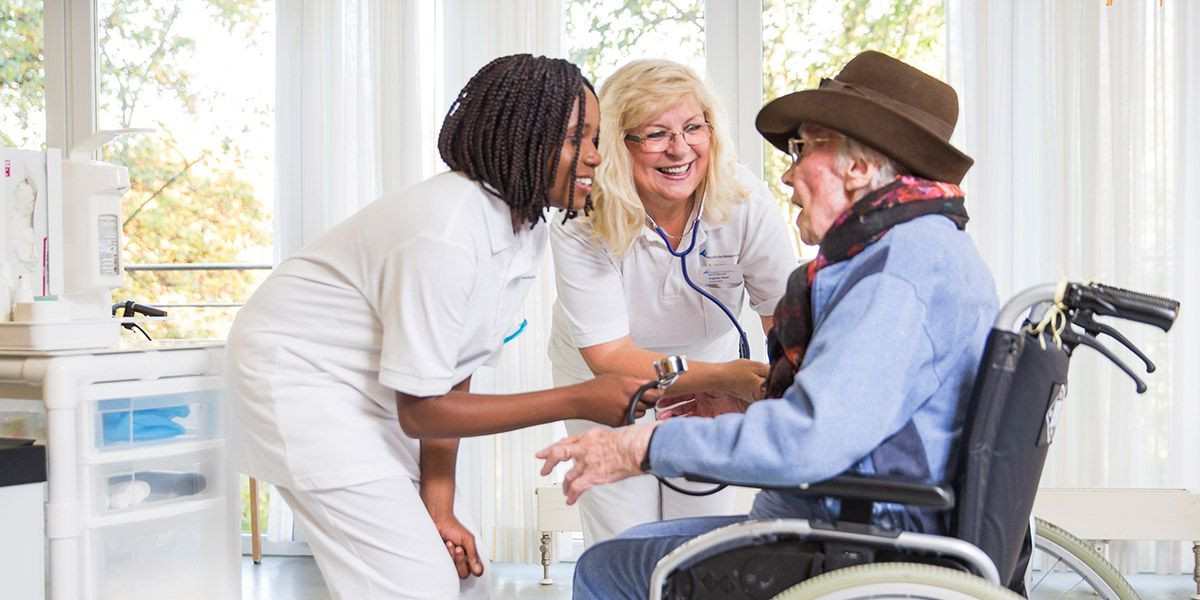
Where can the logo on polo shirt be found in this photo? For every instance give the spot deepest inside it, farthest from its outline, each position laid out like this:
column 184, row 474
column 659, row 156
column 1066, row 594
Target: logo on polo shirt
column 717, row 257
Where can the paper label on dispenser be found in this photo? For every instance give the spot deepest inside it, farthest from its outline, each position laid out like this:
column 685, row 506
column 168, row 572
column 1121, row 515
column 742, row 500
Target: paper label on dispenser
column 107, row 245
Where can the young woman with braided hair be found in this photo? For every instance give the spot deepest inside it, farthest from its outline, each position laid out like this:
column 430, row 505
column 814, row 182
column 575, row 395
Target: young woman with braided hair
column 349, row 369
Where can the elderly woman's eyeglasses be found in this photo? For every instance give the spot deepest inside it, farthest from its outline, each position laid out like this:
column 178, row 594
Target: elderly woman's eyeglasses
column 798, row 148
column 694, row 134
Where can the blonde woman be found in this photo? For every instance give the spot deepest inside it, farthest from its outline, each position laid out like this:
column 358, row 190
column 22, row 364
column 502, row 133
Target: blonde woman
column 669, row 192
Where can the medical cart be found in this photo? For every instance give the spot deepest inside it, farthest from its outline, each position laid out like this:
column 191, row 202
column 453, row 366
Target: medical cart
column 141, row 500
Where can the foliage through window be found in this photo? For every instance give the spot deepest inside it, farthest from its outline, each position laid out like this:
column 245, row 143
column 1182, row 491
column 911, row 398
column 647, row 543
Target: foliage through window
column 200, row 74
column 22, row 75
column 602, row 36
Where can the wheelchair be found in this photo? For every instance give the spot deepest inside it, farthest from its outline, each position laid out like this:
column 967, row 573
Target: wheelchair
column 1008, row 425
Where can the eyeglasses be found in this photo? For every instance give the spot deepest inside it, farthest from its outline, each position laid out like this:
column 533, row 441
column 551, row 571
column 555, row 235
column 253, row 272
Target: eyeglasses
column 694, row 134
column 796, row 146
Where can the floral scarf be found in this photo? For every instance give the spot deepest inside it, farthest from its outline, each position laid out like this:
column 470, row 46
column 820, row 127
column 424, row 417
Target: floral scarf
column 861, row 225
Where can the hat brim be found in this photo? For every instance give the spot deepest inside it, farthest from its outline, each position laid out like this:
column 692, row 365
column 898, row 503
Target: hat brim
column 907, row 142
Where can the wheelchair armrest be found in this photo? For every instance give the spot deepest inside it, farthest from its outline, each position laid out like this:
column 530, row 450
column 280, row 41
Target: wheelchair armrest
column 898, row 490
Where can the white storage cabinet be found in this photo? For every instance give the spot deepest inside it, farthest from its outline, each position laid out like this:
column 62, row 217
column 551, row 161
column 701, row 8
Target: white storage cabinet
column 140, row 505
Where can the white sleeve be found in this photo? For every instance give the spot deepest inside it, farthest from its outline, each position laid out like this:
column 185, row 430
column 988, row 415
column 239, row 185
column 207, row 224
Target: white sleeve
column 590, row 289
column 767, row 255
column 423, row 293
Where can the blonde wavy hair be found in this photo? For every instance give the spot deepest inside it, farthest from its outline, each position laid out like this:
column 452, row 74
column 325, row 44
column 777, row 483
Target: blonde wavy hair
column 633, row 95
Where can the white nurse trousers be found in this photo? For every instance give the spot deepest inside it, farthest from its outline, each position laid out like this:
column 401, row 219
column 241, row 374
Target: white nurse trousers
column 376, row 541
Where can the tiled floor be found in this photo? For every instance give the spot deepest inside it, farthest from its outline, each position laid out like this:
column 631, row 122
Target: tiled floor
column 297, row 578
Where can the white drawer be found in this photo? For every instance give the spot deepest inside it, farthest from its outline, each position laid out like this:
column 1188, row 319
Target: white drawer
column 129, row 415
column 153, row 482
column 180, row 557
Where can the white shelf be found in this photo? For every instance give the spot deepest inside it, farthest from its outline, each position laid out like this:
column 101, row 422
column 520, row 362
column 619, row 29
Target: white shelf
column 172, row 509
column 151, row 451
column 169, row 545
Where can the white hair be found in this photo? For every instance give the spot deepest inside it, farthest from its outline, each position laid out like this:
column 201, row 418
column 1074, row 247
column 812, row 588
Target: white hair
column 850, row 150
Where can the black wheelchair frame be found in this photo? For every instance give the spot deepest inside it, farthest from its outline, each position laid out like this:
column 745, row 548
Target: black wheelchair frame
column 1008, row 425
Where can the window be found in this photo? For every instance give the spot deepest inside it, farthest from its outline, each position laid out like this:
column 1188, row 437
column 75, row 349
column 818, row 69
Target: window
column 22, row 75
column 198, row 216
column 602, row 36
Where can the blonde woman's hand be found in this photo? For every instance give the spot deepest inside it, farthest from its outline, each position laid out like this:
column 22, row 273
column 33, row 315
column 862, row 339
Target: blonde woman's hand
column 744, row 378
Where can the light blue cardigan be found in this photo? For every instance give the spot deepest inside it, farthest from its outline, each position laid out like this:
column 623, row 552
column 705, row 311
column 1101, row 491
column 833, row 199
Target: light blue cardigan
column 899, row 330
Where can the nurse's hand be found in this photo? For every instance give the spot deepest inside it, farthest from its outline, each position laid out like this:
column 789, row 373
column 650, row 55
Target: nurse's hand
column 460, row 543
column 606, row 398
column 601, row 456
column 744, row 378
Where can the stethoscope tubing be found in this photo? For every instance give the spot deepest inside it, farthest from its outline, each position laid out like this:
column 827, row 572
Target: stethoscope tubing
column 743, row 343
column 631, row 417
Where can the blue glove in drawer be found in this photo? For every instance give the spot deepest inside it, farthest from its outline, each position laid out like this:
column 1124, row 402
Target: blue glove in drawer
column 144, row 425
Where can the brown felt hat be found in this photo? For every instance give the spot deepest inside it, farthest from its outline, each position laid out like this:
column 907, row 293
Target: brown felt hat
column 883, row 103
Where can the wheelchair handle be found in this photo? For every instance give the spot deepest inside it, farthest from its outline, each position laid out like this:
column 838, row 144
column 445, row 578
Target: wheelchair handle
column 1124, row 304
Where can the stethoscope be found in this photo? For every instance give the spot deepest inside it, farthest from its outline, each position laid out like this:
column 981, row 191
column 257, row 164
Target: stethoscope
column 743, row 343
column 669, row 368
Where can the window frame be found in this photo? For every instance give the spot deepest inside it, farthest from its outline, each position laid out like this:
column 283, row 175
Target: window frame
column 733, row 57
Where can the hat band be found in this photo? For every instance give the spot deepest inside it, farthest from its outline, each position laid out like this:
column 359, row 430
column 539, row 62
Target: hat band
column 930, row 122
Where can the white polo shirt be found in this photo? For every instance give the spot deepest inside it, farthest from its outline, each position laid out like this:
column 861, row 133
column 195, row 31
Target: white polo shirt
column 412, row 293
column 642, row 294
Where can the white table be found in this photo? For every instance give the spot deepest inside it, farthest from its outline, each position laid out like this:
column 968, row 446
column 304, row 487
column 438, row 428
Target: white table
column 1108, row 514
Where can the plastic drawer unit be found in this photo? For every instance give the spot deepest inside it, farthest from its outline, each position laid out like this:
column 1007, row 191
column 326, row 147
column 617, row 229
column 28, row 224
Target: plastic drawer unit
column 141, row 500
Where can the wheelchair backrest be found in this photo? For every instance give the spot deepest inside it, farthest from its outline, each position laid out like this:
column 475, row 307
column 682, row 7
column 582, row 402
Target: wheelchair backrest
column 1007, row 429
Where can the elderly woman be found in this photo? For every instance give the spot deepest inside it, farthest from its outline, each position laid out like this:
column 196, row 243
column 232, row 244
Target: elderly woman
column 898, row 303
column 679, row 235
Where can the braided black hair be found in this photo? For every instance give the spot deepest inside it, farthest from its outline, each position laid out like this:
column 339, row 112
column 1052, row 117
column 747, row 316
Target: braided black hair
column 507, row 127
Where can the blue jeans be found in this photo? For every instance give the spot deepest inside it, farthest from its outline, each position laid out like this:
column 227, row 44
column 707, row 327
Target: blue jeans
column 621, row 566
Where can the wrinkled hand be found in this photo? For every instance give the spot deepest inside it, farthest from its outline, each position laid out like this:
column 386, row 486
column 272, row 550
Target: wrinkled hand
column 701, row 404
column 460, row 543
column 744, row 378
column 606, row 398
column 601, row 456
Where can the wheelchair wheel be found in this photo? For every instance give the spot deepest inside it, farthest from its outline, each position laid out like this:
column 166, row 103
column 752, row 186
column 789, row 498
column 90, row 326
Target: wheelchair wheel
column 1088, row 573
column 897, row 580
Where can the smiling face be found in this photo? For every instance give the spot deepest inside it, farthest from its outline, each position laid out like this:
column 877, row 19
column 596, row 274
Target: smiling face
column 672, row 175
column 589, row 156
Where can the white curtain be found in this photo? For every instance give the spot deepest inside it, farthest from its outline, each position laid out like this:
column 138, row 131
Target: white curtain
column 1084, row 122
column 355, row 109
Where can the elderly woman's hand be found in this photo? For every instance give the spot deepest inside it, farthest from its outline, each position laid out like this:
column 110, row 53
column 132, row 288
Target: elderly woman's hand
column 601, row 456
